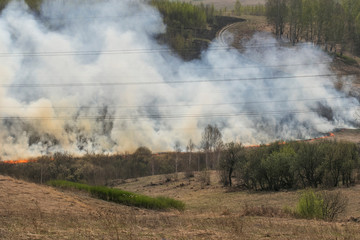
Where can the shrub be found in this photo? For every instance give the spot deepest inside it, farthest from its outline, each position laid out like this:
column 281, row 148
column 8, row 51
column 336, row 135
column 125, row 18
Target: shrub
column 204, row 178
column 189, row 173
column 264, row 211
column 334, row 204
column 323, row 205
column 310, row 205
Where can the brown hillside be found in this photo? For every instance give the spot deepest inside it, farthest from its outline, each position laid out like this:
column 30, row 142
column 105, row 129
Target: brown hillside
column 30, row 211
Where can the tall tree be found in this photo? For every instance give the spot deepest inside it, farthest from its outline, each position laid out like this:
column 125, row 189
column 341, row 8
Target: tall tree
column 140, row 162
column 177, row 148
column 295, row 20
column 351, row 12
column 189, row 148
column 211, row 139
column 237, row 8
column 276, row 13
column 308, row 18
column 233, row 154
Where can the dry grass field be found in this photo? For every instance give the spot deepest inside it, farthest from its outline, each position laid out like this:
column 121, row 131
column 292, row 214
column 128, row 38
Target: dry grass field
column 352, row 135
column 30, row 211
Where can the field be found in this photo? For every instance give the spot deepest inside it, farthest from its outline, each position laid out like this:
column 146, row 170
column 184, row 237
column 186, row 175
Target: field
column 30, row 211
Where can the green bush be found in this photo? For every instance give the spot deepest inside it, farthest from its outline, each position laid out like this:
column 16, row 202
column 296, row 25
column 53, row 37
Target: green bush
column 122, row 197
column 310, row 205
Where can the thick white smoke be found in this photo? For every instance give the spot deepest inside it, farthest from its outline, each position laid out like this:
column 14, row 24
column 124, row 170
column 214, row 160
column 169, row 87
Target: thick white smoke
column 88, row 77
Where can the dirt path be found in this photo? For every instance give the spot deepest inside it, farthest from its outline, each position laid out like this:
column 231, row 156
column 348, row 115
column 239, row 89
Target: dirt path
column 225, row 37
column 236, row 33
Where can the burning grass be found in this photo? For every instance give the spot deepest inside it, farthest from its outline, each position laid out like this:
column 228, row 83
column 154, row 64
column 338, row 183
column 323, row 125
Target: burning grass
column 122, row 197
column 19, row 161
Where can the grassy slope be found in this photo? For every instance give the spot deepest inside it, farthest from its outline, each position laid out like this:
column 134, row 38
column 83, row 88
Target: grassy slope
column 120, row 196
column 29, row 211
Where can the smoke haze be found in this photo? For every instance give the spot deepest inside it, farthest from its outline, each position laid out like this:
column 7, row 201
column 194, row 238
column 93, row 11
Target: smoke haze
column 88, row 77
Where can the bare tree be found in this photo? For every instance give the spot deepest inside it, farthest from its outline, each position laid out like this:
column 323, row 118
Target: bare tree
column 211, row 139
column 189, row 148
column 177, row 149
column 218, row 149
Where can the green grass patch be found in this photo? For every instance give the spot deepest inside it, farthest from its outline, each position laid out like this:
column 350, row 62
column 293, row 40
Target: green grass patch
column 346, row 59
column 122, row 197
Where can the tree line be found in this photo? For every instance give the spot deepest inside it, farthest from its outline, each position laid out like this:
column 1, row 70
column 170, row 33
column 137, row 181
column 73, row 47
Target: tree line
column 292, row 165
column 332, row 23
column 100, row 169
column 273, row 167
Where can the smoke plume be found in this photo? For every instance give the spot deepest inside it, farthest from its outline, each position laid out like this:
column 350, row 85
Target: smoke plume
column 89, row 77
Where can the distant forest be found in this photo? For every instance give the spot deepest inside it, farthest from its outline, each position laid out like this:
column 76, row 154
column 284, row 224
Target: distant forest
column 332, row 23
column 335, row 24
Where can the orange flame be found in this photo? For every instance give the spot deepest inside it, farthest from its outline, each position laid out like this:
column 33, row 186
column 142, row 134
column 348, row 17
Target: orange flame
column 323, row 137
column 19, row 161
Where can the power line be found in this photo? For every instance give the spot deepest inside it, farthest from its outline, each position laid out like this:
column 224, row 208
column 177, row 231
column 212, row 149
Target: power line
column 134, row 51
column 175, row 105
column 257, row 66
column 112, row 84
column 171, row 129
column 169, row 117
column 266, row 66
column 98, row 52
